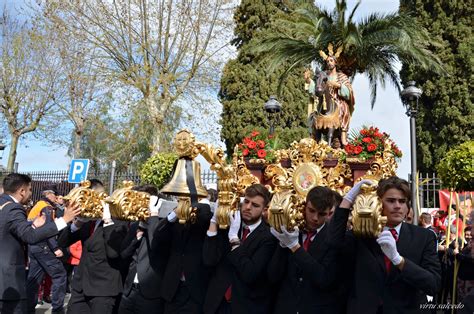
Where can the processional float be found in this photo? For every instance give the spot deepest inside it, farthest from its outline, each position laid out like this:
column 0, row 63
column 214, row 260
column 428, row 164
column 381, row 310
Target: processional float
column 290, row 177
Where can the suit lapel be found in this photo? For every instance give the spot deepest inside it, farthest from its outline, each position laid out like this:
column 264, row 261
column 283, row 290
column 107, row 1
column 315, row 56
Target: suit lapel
column 377, row 253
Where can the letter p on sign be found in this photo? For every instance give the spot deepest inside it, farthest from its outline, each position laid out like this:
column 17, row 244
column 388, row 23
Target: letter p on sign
column 78, row 170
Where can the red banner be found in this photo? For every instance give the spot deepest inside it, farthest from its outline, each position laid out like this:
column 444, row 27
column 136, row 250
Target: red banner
column 465, row 200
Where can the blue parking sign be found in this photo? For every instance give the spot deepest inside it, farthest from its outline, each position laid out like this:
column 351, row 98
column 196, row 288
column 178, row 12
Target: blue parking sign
column 78, row 170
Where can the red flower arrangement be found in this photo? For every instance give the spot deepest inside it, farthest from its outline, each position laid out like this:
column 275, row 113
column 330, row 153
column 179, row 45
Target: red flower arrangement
column 257, row 146
column 369, row 141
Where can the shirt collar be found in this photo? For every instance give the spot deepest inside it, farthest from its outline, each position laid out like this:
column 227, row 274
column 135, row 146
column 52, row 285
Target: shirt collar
column 397, row 228
column 252, row 227
column 14, row 199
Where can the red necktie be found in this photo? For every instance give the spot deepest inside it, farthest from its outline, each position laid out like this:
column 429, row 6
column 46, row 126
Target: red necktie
column 228, row 292
column 308, row 240
column 388, row 263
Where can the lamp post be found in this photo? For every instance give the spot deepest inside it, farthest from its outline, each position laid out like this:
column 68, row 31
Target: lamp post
column 272, row 107
column 410, row 96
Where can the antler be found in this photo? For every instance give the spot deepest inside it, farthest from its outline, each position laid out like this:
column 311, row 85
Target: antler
column 338, row 52
column 323, row 54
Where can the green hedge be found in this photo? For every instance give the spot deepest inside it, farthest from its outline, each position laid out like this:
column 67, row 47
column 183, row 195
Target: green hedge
column 158, row 168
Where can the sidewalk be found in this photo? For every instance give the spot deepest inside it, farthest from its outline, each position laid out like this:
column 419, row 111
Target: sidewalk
column 46, row 307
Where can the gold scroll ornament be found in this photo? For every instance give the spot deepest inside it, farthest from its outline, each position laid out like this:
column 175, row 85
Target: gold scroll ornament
column 88, row 200
column 367, row 218
column 127, row 204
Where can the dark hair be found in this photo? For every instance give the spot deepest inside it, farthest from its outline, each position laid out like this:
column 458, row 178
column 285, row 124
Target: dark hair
column 96, row 183
column 337, row 198
column 14, row 181
column 259, row 190
column 424, row 218
column 468, row 228
column 394, row 183
column 212, row 195
column 321, row 197
column 148, row 188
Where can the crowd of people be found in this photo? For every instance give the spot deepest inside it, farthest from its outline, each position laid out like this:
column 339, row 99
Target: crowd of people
column 163, row 266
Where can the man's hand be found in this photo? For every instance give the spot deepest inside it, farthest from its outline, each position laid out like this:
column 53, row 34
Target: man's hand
column 389, row 247
column 58, row 253
column 350, row 197
column 234, row 225
column 71, row 211
column 154, row 205
column 287, row 239
column 139, row 234
column 39, row 221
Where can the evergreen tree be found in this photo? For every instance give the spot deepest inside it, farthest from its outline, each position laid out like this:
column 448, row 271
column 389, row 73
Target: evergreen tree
column 445, row 115
column 247, row 83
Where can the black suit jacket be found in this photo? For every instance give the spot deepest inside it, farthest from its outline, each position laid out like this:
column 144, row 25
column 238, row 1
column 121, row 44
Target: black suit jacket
column 148, row 259
column 186, row 241
column 308, row 280
column 244, row 268
column 15, row 232
column 98, row 273
column 371, row 286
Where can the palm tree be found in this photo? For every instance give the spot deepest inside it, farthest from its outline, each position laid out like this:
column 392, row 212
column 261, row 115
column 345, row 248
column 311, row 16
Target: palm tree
column 372, row 46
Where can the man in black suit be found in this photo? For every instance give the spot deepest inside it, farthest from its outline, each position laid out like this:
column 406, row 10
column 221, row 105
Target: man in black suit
column 15, row 233
column 240, row 257
column 303, row 263
column 141, row 293
column 185, row 278
column 97, row 282
column 395, row 272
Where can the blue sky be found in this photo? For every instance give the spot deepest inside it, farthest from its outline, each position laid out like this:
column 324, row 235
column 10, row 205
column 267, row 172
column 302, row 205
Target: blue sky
column 388, row 113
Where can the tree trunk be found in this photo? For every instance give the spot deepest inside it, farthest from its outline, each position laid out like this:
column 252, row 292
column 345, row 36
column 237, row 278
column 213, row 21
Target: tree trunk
column 78, row 132
column 12, row 153
column 157, row 119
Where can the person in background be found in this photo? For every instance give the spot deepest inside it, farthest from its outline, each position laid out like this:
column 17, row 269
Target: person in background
column 44, row 257
column 15, row 232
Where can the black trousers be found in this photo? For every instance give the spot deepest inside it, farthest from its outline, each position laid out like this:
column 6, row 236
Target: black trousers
column 182, row 302
column 13, row 306
column 44, row 261
column 135, row 302
column 81, row 304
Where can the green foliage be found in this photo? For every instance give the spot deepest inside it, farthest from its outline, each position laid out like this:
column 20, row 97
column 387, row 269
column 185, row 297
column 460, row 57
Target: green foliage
column 158, row 168
column 456, row 170
column 445, row 116
column 371, row 46
column 247, row 83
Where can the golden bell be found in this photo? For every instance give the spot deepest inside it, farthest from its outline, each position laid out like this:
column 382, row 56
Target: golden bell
column 178, row 185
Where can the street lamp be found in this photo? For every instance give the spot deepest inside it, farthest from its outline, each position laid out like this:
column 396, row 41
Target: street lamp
column 410, row 96
column 272, row 107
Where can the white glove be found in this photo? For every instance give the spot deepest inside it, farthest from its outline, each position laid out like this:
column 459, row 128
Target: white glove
column 352, row 194
column 154, row 205
column 234, row 225
column 389, row 247
column 287, row 239
column 106, row 216
column 172, row 217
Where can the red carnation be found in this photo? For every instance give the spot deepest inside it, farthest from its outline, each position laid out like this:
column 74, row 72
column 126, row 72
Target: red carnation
column 245, row 152
column 261, row 144
column 246, row 140
column 363, row 132
column 357, row 150
column 270, row 136
column 261, row 153
column 371, row 147
column 378, row 134
column 255, row 133
column 349, row 148
column 252, row 144
column 366, row 140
